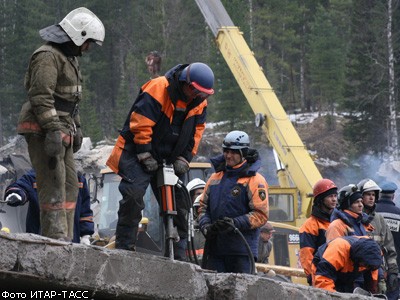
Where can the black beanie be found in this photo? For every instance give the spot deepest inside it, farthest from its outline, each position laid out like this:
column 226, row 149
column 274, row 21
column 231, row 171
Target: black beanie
column 348, row 201
column 320, row 197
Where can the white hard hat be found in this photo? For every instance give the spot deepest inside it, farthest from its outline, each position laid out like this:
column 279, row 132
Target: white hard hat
column 367, row 185
column 197, row 201
column 195, row 184
column 81, row 24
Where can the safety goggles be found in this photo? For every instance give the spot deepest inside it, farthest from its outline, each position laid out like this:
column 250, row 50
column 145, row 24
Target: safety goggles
column 197, row 93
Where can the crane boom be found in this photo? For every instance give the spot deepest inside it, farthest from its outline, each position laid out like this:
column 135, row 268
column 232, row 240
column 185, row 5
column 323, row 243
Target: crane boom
column 260, row 95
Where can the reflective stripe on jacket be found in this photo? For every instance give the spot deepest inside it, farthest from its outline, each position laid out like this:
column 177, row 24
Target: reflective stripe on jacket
column 51, row 77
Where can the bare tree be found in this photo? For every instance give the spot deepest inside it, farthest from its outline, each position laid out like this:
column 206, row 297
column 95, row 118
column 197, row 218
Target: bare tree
column 393, row 137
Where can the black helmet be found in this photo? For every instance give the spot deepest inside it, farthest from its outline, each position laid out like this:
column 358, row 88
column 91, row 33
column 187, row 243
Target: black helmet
column 348, row 195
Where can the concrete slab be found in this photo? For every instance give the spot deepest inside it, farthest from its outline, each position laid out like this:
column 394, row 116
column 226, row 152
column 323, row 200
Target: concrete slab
column 45, row 268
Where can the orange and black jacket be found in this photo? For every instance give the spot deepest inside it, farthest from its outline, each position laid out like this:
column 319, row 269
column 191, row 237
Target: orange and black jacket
column 347, row 262
column 240, row 193
column 345, row 222
column 312, row 235
column 161, row 121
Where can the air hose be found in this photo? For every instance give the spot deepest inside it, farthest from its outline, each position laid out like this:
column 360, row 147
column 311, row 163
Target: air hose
column 190, row 243
column 249, row 253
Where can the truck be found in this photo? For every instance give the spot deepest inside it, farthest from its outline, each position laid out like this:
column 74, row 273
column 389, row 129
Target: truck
column 291, row 201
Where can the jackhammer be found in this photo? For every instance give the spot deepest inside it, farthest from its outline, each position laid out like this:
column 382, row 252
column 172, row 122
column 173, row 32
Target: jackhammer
column 166, row 180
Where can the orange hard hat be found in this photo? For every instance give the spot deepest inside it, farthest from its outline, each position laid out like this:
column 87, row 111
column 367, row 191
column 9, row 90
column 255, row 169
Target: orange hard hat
column 323, row 185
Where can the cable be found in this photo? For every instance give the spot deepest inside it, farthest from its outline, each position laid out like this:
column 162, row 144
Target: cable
column 249, row 253
column 191, row 250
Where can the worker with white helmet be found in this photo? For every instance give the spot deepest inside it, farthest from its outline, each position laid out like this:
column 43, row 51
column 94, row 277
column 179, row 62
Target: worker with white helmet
column 195, row 188
column 50, row 120
column 381, row 234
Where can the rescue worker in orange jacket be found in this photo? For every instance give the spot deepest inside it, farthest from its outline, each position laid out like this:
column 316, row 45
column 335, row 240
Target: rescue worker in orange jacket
column 346, row 263
column 166, row 122
column 312, row 232
column 235, row 196
column 349, row 219
column 50, row 120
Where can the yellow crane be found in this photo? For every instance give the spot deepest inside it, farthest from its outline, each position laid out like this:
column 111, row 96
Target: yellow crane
column 270, row 114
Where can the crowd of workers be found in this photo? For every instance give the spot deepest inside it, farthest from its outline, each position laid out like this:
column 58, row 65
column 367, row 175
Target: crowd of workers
column 350, row 239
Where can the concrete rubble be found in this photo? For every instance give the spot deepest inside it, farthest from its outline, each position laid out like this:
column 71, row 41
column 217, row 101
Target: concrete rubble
column 39, row 266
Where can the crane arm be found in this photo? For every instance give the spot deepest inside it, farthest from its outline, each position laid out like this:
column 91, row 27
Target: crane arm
column 260, row 95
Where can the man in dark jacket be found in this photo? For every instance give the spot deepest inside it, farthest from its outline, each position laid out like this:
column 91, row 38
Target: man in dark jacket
column 235, row 196
column 165, row 124
column 24, row 190
column 264, row 243
column 391, row 213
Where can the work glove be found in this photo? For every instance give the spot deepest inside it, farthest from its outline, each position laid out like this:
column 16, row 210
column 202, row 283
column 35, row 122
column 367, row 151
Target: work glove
column 53, row 143
column 382, row 286
column 85, row 240
column 225, row 225
column 392, row 282
column 78, row 137
column 148, row 162
column 210, row 231
column 14, row 199
column 181, row 165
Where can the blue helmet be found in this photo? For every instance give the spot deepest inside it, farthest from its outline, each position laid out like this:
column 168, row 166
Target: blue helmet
column 388, row 187
column 200, row 76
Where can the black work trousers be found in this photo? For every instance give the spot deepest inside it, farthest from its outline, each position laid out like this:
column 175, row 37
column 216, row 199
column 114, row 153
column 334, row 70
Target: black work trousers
column 133, row 188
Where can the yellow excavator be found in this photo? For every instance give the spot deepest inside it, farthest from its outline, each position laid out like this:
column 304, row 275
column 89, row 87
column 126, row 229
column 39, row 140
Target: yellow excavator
column 291, row 201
